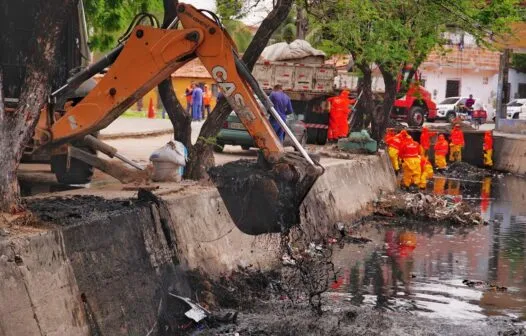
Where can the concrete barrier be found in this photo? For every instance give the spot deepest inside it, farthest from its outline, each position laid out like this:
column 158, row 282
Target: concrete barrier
column 109, row 274
column 509, row 153
column 208, row 239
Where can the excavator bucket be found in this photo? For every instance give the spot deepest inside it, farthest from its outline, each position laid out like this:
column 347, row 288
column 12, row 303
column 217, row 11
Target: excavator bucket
column 263, row 198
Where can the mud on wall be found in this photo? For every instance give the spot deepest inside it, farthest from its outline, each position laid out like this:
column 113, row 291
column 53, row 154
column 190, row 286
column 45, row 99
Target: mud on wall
column 105, row 275
column 107, row 266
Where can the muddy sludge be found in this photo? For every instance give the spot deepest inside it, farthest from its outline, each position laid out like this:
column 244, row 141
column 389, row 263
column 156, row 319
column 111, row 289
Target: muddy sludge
column 258, row 200
column 71, row 210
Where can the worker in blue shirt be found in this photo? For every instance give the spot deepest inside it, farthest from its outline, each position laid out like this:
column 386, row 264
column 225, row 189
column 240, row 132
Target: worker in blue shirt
column 197, row 102
column 283, row 105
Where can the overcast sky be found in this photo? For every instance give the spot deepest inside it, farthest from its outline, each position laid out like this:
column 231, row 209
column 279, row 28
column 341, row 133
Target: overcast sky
column 255, row 17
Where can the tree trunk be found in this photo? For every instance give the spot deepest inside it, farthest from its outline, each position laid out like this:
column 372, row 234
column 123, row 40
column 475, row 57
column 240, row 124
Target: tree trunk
column 301, row 23
column 381, row 115
column 16, row 128
column 201, row 155
column 181, row 121
column 365, row 105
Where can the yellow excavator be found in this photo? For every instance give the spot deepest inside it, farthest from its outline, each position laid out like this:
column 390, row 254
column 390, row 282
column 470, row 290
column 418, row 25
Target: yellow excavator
column 260, row 198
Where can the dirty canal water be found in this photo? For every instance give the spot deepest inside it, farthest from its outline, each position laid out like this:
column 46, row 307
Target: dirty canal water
column 443, row 272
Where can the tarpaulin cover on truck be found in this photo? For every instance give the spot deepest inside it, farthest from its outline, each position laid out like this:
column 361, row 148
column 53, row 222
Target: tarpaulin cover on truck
column 295, row 50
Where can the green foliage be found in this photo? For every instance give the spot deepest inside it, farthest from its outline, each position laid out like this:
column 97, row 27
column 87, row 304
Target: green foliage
column 286, row 32
column 108, row 19
column 241, row 35
column 230, row 12
column 518, row 62
column 397, row 32
column 229, row 9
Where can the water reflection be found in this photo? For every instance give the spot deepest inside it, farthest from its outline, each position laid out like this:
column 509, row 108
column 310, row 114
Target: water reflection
column 421, row 268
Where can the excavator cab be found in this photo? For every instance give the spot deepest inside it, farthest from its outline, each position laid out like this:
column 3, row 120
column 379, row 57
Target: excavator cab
column 261, row 197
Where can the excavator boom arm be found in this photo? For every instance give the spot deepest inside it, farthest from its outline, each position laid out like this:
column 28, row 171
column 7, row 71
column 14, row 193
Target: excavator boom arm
column 264, row 198
column 149, row 56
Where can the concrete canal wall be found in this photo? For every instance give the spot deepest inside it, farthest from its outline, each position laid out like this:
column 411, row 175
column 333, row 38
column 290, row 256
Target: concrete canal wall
column 109, row 273
column 509, row 153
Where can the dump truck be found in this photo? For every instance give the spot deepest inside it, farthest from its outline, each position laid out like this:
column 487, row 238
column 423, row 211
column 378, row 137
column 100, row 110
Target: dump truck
column 309, row 82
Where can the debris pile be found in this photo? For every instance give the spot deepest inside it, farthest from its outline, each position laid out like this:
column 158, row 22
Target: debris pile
column 439, row 208
column 461, row 170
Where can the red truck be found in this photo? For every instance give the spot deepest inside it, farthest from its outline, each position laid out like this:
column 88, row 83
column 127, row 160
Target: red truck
column 413, row 104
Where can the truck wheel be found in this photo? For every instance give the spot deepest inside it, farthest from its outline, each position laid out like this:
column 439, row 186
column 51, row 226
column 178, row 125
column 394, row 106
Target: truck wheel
column 450, row 116
column 79, row 172
column 416, row 116
column 321, row 138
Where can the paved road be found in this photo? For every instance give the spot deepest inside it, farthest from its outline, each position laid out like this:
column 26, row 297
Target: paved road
column 136, row 125
column 139, row 149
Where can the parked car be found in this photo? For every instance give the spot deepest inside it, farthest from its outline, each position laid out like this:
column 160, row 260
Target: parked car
column 453, row 107
column 516, row 109
column 234, row 133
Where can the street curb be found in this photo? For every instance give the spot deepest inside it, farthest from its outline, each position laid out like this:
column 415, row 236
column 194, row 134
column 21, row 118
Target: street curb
column 135, row 135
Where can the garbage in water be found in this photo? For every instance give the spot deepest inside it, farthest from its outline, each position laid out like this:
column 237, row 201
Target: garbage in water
column 439, row 208
column 463, row 170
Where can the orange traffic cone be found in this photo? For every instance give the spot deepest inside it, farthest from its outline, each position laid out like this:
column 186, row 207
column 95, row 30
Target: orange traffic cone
column 151, row 111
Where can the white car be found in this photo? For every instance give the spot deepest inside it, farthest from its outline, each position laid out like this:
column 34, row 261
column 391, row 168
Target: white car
column 516, row 109
column 449, row 108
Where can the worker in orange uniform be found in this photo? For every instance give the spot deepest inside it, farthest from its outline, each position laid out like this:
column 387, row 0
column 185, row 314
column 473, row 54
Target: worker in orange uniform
column 426, row 171
column 425, row 141
column 404, row 137
column 394, row 144
column 411, row 163
column 207, row 100
column 338, row 114
column 441, row 149
column 488, row 149
column 457, row 143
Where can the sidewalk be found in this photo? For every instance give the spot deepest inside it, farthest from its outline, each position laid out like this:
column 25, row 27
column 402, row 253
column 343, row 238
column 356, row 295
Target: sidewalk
column 136, row 128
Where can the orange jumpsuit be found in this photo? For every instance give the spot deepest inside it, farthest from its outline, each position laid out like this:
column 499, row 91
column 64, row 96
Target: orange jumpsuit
column 393, row 149
column 425, row 141
column 411, row 166
column 488, row 149
column 441, row 149
column 457, row 143
column 338, row 115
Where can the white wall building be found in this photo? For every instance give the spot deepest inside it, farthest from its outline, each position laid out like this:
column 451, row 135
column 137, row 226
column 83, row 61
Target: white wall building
column 455, row 71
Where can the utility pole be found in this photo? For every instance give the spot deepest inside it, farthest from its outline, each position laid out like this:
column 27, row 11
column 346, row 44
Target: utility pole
column 502, row 88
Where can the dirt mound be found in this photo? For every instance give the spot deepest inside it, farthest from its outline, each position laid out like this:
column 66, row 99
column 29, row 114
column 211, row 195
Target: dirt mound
column 67, row 211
